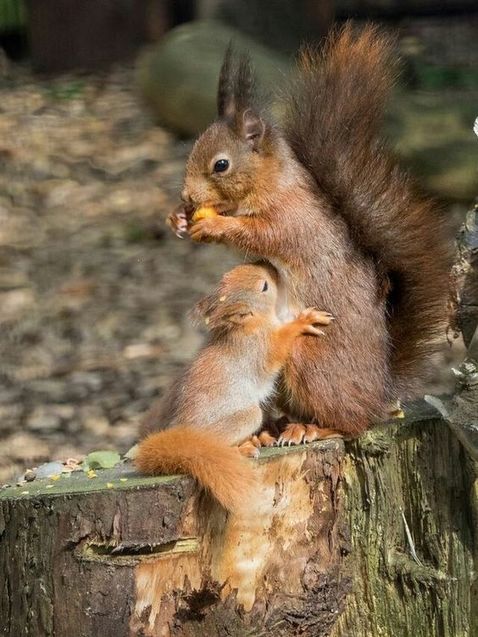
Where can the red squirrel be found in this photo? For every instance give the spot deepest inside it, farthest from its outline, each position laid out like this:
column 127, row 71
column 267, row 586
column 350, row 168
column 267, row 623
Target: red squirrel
column 216, row 402
column 320, row 198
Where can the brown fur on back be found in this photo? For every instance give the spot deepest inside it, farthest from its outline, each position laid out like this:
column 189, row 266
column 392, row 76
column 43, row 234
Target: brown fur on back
column 338, row 102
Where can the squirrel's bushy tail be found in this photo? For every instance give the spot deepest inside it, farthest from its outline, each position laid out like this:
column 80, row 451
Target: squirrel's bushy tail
column 218, row 467
column 335, row 110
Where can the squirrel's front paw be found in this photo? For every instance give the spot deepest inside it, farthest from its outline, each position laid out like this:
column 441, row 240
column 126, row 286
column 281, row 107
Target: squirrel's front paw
column 178, row 220
column 210, row 229
column 310, row 318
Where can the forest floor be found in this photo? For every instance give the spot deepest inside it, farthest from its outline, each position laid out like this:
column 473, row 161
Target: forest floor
column 94, row 290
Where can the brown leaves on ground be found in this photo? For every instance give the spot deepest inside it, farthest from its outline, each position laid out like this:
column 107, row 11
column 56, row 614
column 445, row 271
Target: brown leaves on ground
column 94, row 289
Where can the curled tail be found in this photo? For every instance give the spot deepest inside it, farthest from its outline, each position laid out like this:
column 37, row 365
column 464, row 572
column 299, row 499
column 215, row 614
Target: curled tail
column 218, row 467
column 333, row 120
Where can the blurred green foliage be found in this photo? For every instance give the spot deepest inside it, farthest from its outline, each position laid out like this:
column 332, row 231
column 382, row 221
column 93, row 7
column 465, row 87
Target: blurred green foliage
column 435, row 78
column 12, row 15
column 65, row 90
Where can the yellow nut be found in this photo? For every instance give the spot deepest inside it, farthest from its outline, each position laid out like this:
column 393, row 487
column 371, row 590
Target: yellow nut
column 207, row 212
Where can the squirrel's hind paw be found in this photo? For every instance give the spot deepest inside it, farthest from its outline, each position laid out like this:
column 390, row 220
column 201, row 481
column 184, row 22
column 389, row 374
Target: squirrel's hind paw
column 250, row 448
column 267, row 439
column 296, row 433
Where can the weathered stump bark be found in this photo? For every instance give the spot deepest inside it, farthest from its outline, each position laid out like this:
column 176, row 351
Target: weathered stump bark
column 149, row 557
column 324, row 550
column 411, row 497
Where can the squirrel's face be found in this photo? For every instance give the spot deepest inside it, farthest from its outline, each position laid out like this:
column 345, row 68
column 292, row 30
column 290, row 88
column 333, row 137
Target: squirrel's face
column 222, row 167
column 229, row 161
column 246, row 294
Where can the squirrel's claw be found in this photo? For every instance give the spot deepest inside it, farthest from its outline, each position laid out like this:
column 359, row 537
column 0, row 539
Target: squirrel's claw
column 296, row 433
column 324, row 318
column 250, row 448
column 310, row 329
column 293, row 434
column 316, row 317
column 310, row 318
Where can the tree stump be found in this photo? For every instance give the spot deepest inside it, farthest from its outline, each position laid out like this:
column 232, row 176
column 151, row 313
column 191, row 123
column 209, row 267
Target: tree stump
column 380, row 540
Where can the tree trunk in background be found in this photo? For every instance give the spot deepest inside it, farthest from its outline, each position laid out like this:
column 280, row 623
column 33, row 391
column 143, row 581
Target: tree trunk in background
column 464, row 309
column 66, row 34
column 284, row 26
column 146, row 557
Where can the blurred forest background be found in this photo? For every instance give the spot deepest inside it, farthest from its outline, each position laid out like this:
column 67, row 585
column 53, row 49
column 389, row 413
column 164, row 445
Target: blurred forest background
column 99, row 101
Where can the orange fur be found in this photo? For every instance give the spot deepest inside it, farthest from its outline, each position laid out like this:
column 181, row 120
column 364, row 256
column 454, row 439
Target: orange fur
column 217, row 401
column 322, row 200
column 282, row 339
column 219, row 468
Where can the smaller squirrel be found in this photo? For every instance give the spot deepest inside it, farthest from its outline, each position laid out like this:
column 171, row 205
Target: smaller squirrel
column 216, row 402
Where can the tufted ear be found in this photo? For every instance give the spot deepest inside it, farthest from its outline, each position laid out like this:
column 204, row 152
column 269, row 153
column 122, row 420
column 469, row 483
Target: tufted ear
column 253, row 128
column 236, row 98
column 226, row 106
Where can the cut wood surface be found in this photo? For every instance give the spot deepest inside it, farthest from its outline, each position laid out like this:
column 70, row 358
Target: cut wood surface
column 380, row 540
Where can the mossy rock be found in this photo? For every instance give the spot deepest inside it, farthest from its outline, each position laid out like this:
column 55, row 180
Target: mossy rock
column 178, row 78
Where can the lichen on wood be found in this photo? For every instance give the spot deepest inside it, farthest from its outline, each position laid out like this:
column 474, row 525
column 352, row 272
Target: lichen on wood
column 410, row 493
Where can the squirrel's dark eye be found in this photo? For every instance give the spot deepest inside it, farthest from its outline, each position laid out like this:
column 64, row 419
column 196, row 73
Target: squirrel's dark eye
column 221, row 165
column 265, row 287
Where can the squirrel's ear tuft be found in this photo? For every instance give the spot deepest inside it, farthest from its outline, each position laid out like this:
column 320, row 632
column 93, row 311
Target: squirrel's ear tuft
column 244, row 85
column 236, row 98
column 226, row 107
column 253, row 128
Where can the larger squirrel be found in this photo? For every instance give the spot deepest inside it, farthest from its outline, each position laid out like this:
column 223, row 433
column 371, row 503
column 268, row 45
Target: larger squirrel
column 321, row 199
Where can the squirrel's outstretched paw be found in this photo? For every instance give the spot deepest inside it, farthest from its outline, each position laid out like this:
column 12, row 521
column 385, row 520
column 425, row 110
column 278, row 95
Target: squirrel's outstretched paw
column 312, row 317
column 296, row 433
column 320, row 316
